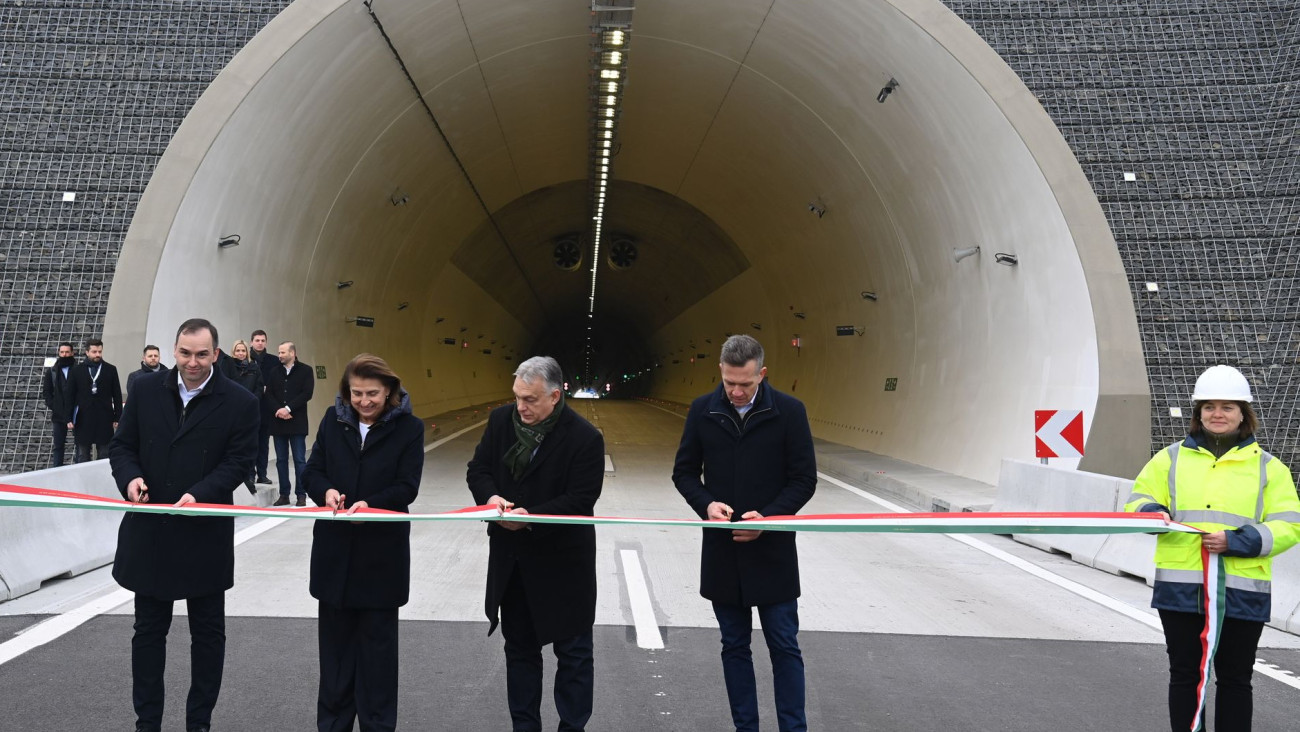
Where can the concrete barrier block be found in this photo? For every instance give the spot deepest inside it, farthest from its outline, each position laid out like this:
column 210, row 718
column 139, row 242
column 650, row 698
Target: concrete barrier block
column 38, row 544
column 1131, row 554
column 1026, row 486
column 1286, row 590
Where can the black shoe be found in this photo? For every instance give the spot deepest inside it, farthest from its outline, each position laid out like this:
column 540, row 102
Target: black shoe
column 199, row 728
column 249, row 485
column 302, row 501
column 281, row 501
column 146, row 727
column 264, row 480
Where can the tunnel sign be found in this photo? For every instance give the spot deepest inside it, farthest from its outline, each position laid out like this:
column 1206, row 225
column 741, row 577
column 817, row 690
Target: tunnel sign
column 1058, row 433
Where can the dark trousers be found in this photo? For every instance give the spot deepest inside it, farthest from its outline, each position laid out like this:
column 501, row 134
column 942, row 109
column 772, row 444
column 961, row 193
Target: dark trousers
column 83, row 451
column 283, row 443
column 1234, row 664
column 781, row 631
column 60, row 443
column 153, row 618
column 263, row 447
column 358, row 669
column 574, row 668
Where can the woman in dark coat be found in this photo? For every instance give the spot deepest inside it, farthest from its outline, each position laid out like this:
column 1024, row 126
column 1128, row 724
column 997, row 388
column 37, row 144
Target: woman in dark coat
column 369, row 452
column 248, row 374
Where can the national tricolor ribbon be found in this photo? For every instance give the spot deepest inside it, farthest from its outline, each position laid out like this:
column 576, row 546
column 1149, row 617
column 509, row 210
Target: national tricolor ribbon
column 917, row 523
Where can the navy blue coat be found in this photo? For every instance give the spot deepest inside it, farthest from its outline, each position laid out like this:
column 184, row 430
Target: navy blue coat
column 207, row 452
column 557, row 563
column 364, row 565
column 763, row 463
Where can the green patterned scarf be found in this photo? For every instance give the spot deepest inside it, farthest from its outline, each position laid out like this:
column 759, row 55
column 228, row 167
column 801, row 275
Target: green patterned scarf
column 528, row 437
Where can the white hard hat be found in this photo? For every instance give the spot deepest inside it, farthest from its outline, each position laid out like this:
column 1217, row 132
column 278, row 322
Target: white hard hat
column 1222, row 382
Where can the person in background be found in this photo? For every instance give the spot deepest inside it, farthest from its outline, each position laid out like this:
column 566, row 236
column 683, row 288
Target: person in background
column 266, row 361
column 248, row 374
column 369, row 453
column 95, row 394
column 289, row 388
column 1217, row 479
column 54, row 392
column 149, row 364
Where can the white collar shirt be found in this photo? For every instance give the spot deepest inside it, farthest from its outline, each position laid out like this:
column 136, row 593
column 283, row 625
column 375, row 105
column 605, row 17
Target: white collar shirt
column 186, row 394
column 743, row 410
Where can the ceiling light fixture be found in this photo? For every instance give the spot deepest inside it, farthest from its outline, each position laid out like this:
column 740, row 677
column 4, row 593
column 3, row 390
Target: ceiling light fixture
column 228, row 241
column 960, row 254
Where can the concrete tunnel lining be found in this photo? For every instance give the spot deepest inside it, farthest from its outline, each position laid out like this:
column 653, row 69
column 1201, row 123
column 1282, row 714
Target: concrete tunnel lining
column 743, row 116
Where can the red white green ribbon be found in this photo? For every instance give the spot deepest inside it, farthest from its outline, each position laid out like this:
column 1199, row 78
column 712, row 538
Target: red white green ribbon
column 1215, row 583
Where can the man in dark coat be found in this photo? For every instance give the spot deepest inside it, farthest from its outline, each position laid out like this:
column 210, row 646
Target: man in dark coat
column 96, row 397
column 537, row 456
column 184, row 438
column 149, row 364
column 54, row 391
column 257, row 353
column 747, row 452
column 289, row 387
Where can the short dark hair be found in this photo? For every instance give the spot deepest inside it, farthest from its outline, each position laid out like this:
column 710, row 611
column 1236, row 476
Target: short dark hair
column 69, row 345
column 1249, row 422
column 256, row 333
column 194, row 325
column 149, row 348
column 370, row 366
column 94, row 342
column 739, row 350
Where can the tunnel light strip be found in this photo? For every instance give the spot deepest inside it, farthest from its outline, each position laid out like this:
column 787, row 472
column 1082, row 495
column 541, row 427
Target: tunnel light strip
column 611, row 28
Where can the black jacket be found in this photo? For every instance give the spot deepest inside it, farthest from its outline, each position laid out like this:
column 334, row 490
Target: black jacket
column 142, row 371
column 292, row 390
column 247, row 374
column 206, row 450
column 98, row 403
column 364, row 565
column 557, row 562
column 763, row 463
column 54, row 391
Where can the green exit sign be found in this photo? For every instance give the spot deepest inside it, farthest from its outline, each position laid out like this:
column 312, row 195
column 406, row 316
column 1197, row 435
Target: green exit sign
column 320, row 372
column 891, row 384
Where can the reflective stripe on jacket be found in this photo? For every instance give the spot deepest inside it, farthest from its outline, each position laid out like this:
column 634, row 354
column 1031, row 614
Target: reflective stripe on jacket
column 1248, row 493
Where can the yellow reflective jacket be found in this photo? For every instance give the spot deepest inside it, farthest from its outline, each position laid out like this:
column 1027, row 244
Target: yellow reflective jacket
column 1247, row 493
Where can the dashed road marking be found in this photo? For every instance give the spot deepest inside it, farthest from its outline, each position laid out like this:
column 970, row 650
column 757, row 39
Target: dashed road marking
column 638, row 595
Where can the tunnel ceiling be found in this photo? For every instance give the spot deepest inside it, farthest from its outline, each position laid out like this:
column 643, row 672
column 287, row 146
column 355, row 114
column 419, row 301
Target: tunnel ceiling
column 674, row 243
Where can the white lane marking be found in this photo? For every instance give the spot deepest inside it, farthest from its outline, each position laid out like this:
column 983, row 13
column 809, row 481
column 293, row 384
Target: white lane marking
column 452, row 436
column 609, row 463
column 64, row 623
column 60, row 625
column 638, row 595
column 1088, row 593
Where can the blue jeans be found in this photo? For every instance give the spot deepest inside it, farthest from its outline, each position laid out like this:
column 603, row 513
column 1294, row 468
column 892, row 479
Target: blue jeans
column 282, row 445
column 781, row 630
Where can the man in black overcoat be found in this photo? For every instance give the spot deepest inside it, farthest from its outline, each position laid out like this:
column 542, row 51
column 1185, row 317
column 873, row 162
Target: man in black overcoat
column 289, row 386
column 185, row 437
column 538, row 456
column 257, row 352
column 54, row 391
column 96, row 396
column 747, row 452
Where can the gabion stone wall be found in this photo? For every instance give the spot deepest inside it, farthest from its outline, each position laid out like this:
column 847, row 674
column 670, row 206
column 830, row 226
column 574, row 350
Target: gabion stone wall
column 1183, row 114
column 92, row 93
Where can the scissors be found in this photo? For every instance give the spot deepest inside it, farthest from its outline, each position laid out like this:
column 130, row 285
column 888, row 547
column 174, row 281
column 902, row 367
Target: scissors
column 339, row 506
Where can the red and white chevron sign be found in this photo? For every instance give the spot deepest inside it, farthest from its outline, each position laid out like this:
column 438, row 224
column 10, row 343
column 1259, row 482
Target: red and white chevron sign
column 1058, row 433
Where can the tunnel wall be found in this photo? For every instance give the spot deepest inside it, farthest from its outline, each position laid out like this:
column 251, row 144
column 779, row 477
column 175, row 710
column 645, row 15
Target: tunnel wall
column 100, row 89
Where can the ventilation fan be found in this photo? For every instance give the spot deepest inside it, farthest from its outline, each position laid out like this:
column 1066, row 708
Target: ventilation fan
column 567, row 255
column 622, row 253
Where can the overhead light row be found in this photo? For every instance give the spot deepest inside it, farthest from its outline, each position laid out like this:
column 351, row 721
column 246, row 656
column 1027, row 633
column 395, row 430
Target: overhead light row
column 611, row 31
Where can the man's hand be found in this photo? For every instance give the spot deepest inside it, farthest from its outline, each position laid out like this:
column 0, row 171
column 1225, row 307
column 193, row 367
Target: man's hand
column 283, row 413
column 185, row 500
column 137, row 491
column 115, row 426
column 743, row 535
column 514, row 525
column 334, row 500
column 1216, row 543
column 718, row 511
column 70, row 426
column 357, row 507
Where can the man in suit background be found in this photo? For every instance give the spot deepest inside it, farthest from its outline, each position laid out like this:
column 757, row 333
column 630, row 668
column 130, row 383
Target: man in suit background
column 96, row 397
column 289, row 387
column 54, row 392
column 187, row 435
